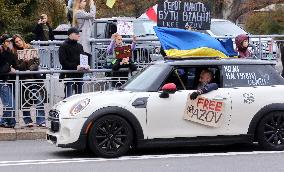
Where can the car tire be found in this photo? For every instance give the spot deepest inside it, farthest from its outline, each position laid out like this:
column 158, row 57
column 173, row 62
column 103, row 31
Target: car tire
column 111, row 136
column 270, row 131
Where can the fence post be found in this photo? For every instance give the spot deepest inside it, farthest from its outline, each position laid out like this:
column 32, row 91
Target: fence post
column 93, row 58
column 51, row 47
column 51, row 88
column 17, row 100
column 260, row 48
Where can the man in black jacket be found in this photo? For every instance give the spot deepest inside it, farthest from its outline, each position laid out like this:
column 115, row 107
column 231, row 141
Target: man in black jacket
column 69, row 57
column 43, row 31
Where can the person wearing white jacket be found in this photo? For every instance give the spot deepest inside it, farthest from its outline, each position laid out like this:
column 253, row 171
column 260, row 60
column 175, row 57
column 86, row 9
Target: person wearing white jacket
column 83, row 21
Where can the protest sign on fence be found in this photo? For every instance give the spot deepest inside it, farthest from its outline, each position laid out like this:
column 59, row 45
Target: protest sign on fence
column 125, row 28
column 204, row 111
column 123, row 52
column 181, row 14
column 27, row 54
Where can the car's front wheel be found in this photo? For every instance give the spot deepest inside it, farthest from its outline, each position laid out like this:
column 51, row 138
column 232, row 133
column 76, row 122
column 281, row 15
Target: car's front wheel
column 270, row 131
column 111, row 136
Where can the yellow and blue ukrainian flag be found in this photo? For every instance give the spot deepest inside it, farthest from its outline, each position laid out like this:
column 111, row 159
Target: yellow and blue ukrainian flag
column 184, row 43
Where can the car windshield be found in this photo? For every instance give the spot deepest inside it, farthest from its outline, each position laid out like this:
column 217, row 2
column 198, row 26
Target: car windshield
column 225, row 28
column 144, row 27
column 145, row 79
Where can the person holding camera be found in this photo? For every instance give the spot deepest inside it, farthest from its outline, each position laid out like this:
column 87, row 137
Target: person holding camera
column 43, row 31
column 83, row 21
column 8, row 62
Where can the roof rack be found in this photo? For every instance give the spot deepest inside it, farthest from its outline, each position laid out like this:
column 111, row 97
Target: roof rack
column 192, row 58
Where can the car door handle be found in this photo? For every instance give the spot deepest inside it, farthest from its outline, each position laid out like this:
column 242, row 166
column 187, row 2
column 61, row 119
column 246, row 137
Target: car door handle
column 219, row 98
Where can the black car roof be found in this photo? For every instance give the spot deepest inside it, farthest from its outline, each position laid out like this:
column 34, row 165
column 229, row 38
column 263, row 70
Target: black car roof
column 209, row 62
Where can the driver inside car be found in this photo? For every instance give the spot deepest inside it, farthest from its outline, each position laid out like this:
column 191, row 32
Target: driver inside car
column 205, row 84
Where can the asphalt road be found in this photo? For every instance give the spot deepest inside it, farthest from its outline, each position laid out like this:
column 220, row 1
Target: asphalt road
column 40, row 156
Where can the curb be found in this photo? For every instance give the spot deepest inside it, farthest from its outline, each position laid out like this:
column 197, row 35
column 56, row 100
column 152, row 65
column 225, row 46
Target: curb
column 9, row 134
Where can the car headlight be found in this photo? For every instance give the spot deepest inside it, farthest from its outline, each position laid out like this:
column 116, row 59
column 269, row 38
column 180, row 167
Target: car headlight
column 78, row 107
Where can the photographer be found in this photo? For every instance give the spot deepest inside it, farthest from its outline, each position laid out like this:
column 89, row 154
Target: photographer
column 43, row 31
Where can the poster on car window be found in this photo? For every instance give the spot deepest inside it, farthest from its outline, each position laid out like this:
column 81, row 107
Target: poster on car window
column 204, row 111
column 184, row 14
column 27, row 54
column 125, row 28
column 123, row 52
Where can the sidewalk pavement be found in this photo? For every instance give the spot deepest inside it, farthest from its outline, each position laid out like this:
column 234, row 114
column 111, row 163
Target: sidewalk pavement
column 11, row 134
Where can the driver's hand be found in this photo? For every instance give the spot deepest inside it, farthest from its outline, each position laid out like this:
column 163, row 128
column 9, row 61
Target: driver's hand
column 194, row 95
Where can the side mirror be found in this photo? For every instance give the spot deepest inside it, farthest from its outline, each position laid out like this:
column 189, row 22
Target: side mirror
column 169, row 88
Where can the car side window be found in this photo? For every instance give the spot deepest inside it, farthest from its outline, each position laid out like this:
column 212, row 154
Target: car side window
column 187, row 78
column 250, row 75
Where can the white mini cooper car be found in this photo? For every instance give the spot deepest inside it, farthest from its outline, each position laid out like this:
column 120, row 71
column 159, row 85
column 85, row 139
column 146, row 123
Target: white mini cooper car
column 154, row 109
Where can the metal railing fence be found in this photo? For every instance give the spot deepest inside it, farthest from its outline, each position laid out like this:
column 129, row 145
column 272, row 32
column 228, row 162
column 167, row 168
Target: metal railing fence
column 31, row 99
column 147, row 50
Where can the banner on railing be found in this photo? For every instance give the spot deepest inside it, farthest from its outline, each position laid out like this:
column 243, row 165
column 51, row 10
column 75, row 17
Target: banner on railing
column 27, row 54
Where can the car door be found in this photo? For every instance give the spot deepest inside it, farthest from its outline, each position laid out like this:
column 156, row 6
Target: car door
column 251, row 87
column 166, row 116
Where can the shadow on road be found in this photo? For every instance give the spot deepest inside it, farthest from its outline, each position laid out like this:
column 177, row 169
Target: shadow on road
column 163, row 151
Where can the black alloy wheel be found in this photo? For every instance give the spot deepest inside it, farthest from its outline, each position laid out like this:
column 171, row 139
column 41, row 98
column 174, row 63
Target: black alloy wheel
column 111, row 136
column 271, row 131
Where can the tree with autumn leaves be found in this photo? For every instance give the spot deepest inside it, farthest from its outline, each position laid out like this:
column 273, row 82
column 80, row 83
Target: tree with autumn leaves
column 227, row 9
column 269, row 23
column 19, row 16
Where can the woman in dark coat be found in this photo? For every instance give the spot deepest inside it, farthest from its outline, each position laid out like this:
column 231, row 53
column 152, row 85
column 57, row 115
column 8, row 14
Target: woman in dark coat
column 31, row 87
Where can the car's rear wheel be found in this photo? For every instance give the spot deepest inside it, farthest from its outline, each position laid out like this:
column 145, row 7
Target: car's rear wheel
column 270, row 131
column 111, row 136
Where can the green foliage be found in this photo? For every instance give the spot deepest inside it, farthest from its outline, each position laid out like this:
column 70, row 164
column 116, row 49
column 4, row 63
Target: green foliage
column 56, row 14
column 21, row 16
column 9, row 15
column 266, row 22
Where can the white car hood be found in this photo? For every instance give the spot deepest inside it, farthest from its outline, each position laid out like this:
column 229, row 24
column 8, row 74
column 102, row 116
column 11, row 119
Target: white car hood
column 97, row 100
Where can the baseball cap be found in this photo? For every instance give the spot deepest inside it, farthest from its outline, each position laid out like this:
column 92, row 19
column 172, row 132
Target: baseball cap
column 5, row 37
column 72, row 30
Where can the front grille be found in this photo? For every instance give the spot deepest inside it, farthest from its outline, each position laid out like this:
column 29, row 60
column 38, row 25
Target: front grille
column 54, row 121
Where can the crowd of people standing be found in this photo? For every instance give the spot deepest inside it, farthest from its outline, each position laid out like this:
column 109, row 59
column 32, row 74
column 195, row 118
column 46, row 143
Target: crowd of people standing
column 10, row 61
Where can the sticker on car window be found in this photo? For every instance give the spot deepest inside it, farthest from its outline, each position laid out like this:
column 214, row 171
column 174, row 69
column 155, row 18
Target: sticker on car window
column 248, row 98
column 247, row 76
column 204, row 111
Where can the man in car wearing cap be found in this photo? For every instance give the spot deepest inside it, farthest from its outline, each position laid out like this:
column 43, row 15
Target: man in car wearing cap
column 69, row 57
column 205, row 84
column 8, row 62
